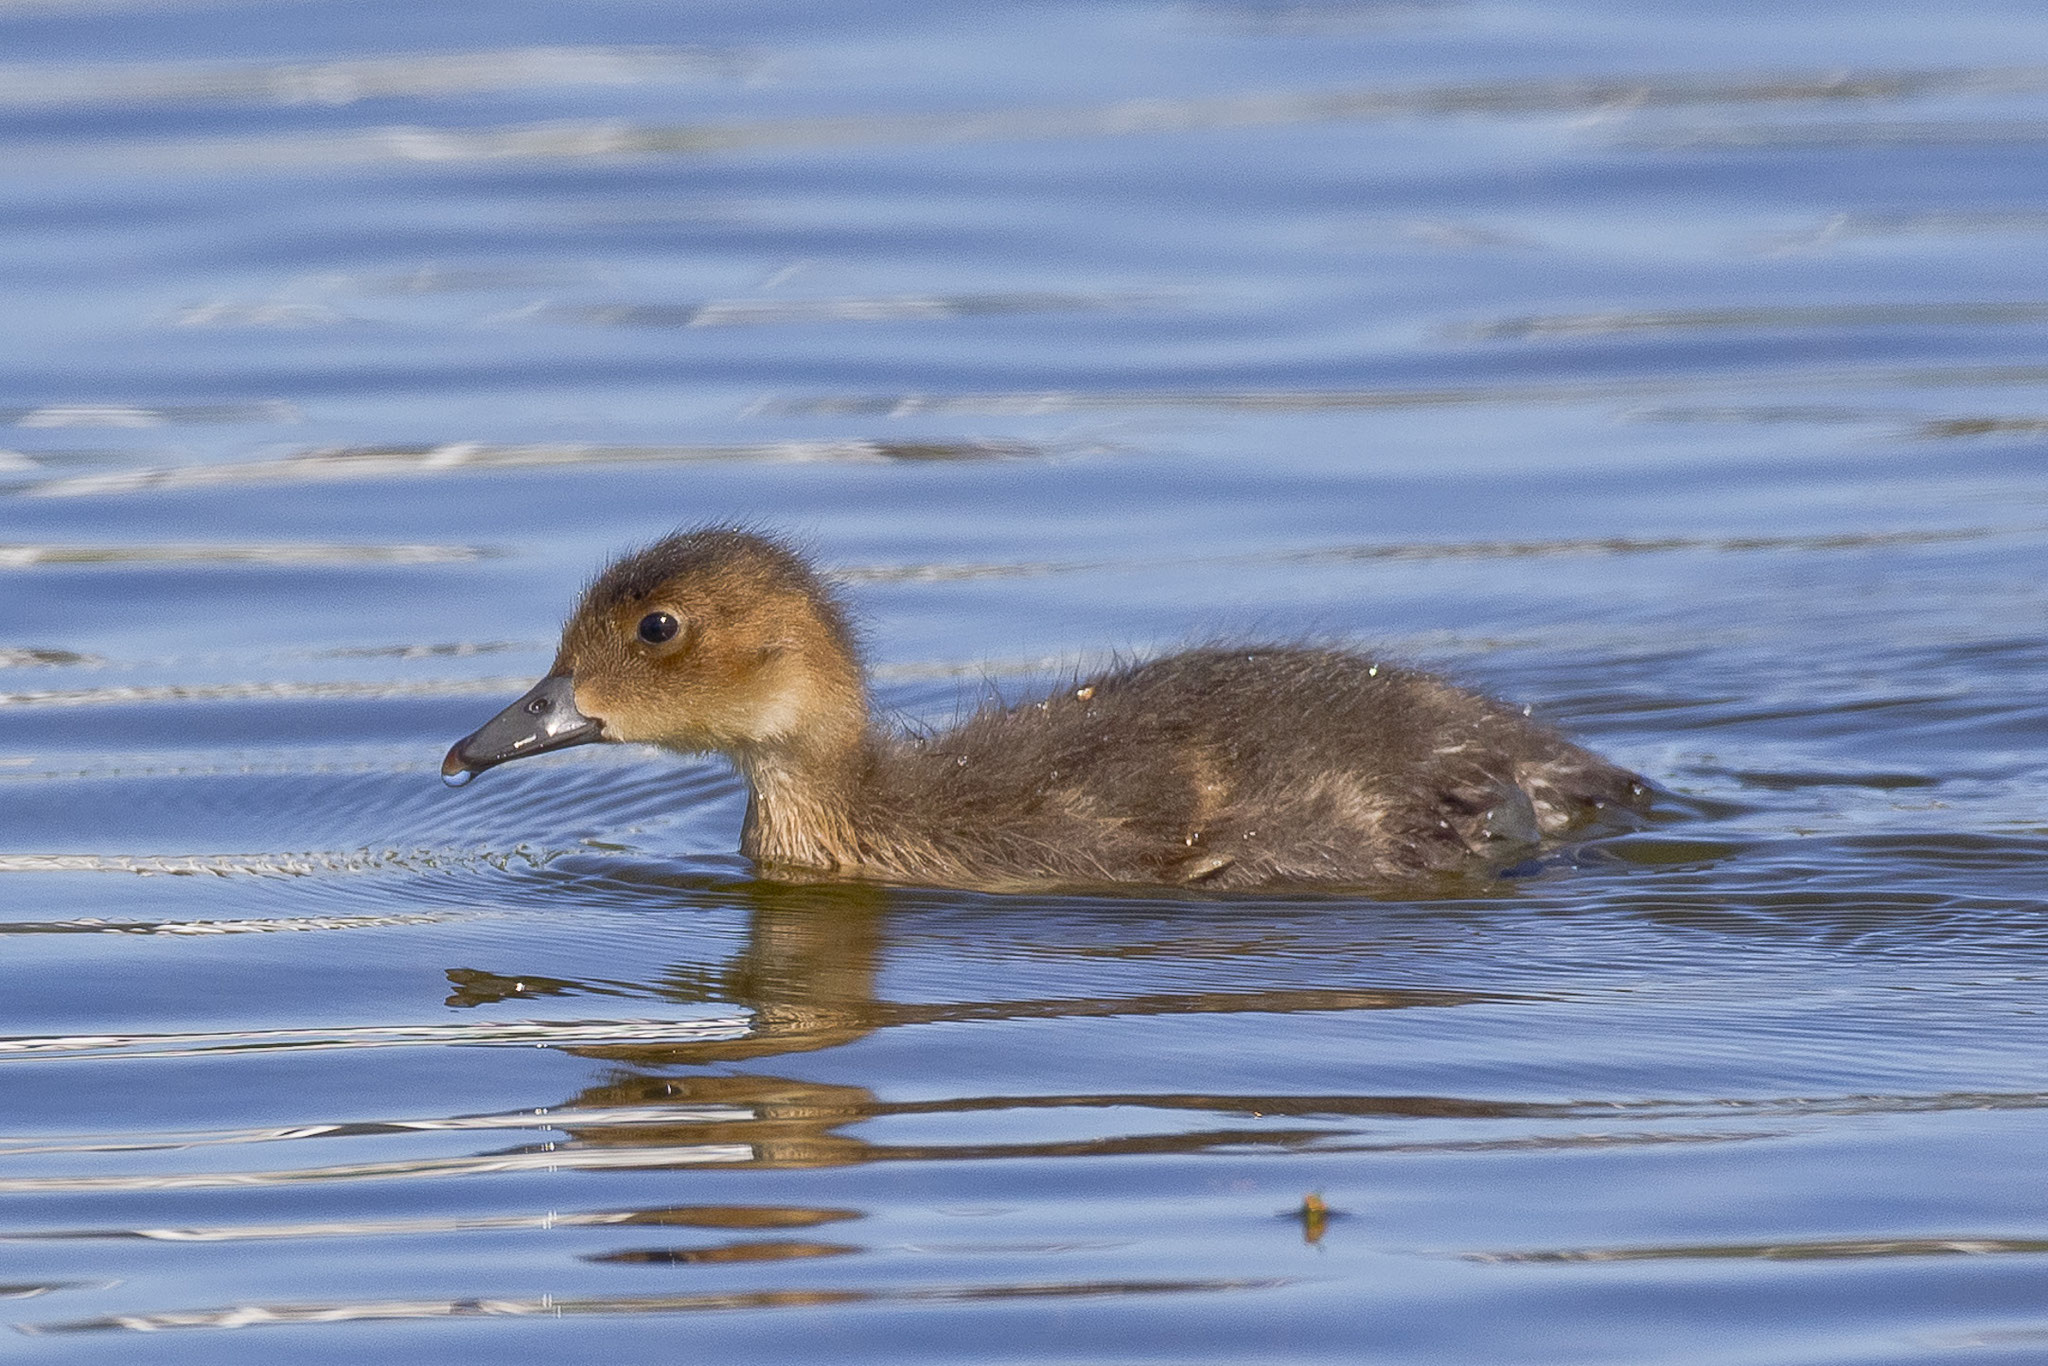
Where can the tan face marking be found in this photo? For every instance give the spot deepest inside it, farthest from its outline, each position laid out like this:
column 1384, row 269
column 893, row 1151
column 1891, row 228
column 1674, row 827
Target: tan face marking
column 688, row 673
column 714, row 641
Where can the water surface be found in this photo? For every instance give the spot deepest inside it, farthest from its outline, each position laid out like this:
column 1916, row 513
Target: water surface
column 1675, row 372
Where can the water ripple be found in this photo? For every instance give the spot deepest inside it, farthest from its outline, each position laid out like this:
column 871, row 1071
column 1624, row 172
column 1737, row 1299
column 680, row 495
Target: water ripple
column 35, row 556
column 581, row 1119
column 885, row 308
column 1862, row 133
column 277, row 691
column 1951, row 428
column 1845, row 227
column 342, row 463
column 501, row 1033
column 684, row 1216
column 574, row 140
column 207, row 928
column 1444, row 550
column 48, row 659
column 1815, row 1250
column 140, row 416
column 1718, row 319
column 550, row 1306
column 411, row 76
column 544, row 1159
column 1032, row 403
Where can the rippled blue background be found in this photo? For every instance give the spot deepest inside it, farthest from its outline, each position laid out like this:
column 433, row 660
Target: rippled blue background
column 1676, row 371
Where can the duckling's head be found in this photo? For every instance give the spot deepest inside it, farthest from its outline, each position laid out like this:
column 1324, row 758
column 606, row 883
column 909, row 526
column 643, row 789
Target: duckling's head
column 718, row 639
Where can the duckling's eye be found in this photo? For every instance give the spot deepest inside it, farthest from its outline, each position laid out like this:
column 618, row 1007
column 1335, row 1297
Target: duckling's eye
column 657, row 628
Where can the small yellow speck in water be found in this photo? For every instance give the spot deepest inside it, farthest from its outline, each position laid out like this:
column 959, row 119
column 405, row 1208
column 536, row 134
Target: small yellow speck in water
column 1085, row 693
column 1314, row 1216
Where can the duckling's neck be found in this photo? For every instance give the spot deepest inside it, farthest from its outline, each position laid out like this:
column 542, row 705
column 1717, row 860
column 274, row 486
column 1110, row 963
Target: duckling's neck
column 805, row 791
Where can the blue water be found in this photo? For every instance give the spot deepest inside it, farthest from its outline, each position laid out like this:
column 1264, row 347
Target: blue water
column 1676, row 372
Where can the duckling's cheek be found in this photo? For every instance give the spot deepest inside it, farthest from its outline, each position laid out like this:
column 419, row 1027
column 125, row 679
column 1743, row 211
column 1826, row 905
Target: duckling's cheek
column 624, row 714
column 778, row 713
column 594, row 704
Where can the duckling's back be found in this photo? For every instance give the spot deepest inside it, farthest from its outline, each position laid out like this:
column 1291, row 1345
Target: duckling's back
column 1242, row 767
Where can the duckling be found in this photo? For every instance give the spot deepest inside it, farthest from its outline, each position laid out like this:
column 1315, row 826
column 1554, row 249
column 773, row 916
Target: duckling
column 1221, row 767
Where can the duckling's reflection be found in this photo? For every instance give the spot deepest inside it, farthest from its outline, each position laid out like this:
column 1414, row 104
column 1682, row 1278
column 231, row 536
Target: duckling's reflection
column 808, row 975
column 809, row 969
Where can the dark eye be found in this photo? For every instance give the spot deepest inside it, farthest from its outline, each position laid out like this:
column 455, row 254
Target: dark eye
column 657, row 628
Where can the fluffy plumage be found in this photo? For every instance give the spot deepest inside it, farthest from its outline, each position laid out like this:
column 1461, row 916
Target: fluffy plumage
column 1239, row 766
